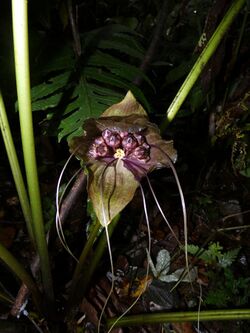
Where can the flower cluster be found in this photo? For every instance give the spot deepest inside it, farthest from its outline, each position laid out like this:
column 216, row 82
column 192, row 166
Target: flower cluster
column 118, row 149
column 121, row 145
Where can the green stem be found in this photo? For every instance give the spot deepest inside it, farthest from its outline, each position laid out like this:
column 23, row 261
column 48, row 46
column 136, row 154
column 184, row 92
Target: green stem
column 101, row 247
column 15, row 167
column 21, row 53
column 21, row 273
column 85, row 275
column 80, row 265
column 161, row 318
column 202, row 61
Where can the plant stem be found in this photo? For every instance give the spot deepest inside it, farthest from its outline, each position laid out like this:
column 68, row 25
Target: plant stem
column 202, row 61
column 21, row 53
column 161, row 318
column 101, row 247
column 83, row 275
column 79, row 267
column 15, row 167
column 21, row 273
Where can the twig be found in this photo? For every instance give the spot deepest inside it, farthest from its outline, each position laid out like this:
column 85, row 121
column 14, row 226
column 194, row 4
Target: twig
column 74, row 28
column 154, row 42
column 20, row 301
column 73, row 195
column 23, row 293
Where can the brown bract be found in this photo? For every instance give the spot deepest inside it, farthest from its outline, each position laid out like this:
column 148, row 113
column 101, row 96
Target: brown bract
column 118, row 149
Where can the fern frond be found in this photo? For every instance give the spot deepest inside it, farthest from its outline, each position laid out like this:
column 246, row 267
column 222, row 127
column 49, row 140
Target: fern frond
column 91, row 101
column 46, row 95
column 118, row 67
column 124, row 44
column 101, row 82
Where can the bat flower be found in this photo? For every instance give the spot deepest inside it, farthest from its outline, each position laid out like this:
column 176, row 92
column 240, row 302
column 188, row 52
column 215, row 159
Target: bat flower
column 118, row 149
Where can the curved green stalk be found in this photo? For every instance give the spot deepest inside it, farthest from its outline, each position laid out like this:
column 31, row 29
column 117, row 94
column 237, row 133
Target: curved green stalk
column 161, row 318
column 202, row 61
column 80, row 265
column 15, row 167
column 21, row 273
column 87, row 272
column 99, row 253
column 21, row 53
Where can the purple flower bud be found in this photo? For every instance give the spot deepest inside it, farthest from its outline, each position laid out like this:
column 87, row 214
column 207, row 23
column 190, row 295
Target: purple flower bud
column 146, row 146
column 98, row 150
column 92, row 151
column 129, row 142
column 114, row 141
column 99, row 140
column 102, row 150
column 140, row 138
column 141, row 153
column 123, row 134
column 106, row 134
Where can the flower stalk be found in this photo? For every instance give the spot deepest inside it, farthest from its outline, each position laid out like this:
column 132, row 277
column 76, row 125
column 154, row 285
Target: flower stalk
column 201, row 62
column 161, row 318
column 79, row 286
column 82, row 260
column 15, row 168
column 21, row 55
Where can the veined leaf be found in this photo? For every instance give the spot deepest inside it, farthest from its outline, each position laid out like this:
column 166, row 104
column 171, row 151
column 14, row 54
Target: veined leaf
column 90, row 101
column 46, row 103
column 125, row 44
column 114, row 80
column 118, row 67
column 102, row 81
column 47, row 89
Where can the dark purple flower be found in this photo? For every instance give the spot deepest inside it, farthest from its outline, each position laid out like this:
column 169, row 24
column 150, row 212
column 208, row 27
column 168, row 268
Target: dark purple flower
column 118, row 149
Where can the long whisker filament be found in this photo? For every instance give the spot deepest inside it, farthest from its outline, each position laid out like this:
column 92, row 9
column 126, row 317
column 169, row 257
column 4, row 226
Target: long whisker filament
column 161, row 211
column 108, row 245
column 58, row 219
column 148, row 252
column 183, row 204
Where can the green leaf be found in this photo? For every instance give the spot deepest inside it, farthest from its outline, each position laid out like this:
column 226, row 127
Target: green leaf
column 102, row 81
column 47, row 103
column 226, row 259
column 113, row 80
column 125, row 44
column 118, row 67
column 218, row 297
column 47, row 89
column 214, row 254
column 193, row 249
column 90, row 101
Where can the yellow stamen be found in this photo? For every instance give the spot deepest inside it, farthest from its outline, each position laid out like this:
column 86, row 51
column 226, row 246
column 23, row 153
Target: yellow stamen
column 119, row 153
